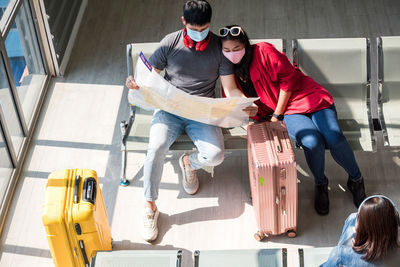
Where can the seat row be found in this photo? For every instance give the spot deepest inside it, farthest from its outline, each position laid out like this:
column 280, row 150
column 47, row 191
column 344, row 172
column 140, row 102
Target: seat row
column 341, row 65
column 273, row 257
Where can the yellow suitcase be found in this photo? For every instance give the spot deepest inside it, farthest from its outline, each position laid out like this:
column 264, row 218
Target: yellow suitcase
column 75, row 217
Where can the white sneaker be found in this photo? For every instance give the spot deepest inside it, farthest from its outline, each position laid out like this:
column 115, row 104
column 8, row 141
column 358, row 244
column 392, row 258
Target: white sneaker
column 150, row 229
column 190, row 181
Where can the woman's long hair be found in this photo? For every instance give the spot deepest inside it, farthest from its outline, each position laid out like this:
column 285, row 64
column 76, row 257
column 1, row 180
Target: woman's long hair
column 241, row 69
column 377, row 229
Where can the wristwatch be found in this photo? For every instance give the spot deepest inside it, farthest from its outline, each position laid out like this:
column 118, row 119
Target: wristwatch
column 279, row 117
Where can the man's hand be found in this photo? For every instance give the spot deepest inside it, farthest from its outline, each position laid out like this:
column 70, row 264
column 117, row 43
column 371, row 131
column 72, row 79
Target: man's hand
column 251, row 110
column 130, row 83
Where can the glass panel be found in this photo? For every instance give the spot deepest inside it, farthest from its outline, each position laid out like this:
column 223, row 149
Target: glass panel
column 62, row 16
column 3, row 6
column 25, row 60
column 6, row 167
column 10, row 112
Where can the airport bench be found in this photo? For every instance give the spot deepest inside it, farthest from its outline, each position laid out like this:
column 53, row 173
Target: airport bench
column 135, row 131
column 239, row 258
column 313, row 256
column 388, row 52
column 136, row 258
column 342, row 66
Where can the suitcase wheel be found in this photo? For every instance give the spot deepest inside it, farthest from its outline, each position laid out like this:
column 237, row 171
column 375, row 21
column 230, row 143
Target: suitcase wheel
column 291, row 233
column 259, row 236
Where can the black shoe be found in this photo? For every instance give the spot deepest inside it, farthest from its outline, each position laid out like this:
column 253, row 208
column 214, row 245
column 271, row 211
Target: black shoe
column 321, row 201
column 358, row 191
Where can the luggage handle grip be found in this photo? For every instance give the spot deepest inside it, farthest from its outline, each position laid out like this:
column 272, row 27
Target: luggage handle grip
column 76, row 190
column 277, row 142
column 89, row 190
column 283, row 202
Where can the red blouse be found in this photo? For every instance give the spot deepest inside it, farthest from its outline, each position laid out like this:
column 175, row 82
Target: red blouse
column 271, row 71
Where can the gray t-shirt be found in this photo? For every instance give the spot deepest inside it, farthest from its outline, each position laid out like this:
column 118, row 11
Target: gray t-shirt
column 194, row 72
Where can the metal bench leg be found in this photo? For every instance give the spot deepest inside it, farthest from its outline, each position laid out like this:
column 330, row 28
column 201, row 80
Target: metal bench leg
column 124, row 181
column 125, row 130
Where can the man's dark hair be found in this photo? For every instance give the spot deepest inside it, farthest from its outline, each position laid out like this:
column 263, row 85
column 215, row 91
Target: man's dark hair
column 197, row 12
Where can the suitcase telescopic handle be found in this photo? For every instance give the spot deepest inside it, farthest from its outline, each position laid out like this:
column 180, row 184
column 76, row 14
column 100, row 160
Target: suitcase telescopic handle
column 76, row 190
column 85, row 258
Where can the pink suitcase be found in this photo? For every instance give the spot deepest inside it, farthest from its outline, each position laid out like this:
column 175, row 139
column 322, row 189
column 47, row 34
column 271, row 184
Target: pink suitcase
column 273, row 179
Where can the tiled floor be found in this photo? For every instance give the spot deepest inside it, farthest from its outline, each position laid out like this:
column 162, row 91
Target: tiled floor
column 76, row 131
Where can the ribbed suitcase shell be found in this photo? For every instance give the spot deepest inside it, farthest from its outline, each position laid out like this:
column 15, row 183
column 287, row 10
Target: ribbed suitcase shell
column 273, row 178
column 60, row 216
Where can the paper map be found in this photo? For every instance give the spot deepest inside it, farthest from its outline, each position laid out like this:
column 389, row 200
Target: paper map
column 157, row 93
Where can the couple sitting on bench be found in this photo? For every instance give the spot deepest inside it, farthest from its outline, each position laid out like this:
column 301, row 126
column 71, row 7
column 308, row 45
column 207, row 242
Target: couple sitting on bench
column 193, row 59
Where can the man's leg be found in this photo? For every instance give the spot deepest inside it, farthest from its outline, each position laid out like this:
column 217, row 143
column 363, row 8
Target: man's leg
column 165, row 129
column 210, row 152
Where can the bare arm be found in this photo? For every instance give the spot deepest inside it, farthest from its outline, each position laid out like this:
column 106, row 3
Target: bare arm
column 131, row 83
column 230, row 87
column 282, row 102
column 231, row 90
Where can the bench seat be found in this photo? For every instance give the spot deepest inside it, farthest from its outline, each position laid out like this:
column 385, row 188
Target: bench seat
column 342, row 66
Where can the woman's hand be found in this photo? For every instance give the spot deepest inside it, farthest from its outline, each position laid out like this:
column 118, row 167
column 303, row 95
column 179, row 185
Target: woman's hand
column 273, row 119
column 130, row 83
column 251, row 110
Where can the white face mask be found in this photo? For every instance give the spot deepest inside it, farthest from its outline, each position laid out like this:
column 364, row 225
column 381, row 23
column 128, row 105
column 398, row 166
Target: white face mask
column 197, row 36
column 235, row 56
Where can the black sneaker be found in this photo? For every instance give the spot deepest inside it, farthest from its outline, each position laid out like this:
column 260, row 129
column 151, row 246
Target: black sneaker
column 321, row 201
column 358, row 190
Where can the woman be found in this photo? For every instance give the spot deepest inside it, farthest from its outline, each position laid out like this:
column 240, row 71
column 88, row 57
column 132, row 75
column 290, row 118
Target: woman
column 305, row 107
column 367, row 239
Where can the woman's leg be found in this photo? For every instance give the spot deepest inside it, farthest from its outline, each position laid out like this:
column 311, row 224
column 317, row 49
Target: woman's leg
column 326, row 122
column 302, row 129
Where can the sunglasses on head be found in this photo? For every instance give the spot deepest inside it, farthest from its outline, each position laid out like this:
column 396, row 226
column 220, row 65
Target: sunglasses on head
column 234, row 31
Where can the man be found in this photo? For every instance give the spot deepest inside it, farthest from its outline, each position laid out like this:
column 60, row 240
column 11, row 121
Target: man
column 193, row 61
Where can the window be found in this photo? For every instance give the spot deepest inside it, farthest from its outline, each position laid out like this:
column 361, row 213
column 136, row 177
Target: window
column 3, row 6
column 6, row 167
column 25, row 60
column 9, row 109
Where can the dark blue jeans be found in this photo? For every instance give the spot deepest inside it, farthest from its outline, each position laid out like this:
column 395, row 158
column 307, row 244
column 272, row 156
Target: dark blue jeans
column 319, row 130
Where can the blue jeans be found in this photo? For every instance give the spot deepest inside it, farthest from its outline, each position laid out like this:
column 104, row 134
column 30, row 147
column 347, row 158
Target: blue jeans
column 317, row 130
column 165, row 129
